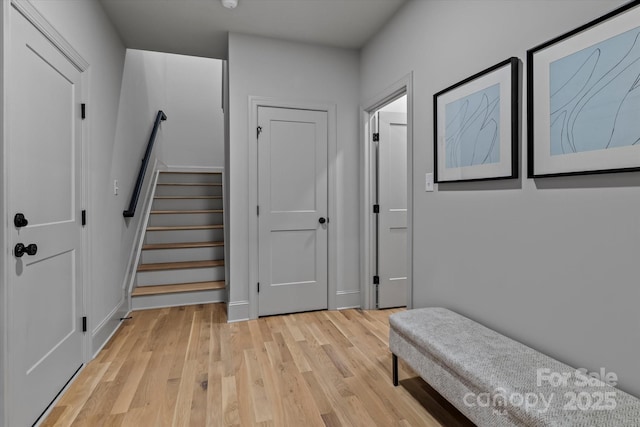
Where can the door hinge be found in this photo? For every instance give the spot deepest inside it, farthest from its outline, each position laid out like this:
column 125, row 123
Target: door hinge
column 376, row 280
column 83, row 111
column 84, row 217
column 376, row 208
column 84, row 324
column 376, row 137
column 258, row 210
column 258, row 131
column 258, row 287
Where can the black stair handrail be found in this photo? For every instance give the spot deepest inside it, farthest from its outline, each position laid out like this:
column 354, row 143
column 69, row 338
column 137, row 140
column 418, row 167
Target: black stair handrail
column 160, row 117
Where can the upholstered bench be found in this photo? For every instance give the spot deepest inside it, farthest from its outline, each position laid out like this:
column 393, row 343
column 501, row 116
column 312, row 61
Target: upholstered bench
column 496, row 381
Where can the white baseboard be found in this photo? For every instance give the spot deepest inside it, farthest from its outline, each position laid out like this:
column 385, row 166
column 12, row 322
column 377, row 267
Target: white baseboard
column 348, row 299
column 103, row 332
column 237, row 311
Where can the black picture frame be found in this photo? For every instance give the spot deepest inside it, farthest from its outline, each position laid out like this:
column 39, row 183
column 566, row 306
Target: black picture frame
column 474, row 126
column 579, row 121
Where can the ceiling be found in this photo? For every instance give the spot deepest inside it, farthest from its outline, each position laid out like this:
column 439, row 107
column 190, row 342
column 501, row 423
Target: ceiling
column 201, row 27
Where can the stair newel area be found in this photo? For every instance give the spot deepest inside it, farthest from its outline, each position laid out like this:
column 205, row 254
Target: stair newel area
column 182, row 257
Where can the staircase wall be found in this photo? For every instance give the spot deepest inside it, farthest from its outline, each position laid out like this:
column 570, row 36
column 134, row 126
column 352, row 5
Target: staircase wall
column 189, row 90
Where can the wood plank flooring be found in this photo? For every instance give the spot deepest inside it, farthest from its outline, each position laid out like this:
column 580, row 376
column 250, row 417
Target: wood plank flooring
column 185, row 366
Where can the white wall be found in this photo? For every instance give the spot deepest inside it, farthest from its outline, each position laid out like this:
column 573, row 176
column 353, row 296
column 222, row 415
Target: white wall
column 291, row 72
column 551, row 262
column 189, row 90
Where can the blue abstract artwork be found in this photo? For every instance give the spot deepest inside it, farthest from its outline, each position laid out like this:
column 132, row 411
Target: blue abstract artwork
column 595, row 97
column 472, row 129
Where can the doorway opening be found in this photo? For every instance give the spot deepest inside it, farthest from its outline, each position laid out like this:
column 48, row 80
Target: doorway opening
column 387, row 194
column 389, row 167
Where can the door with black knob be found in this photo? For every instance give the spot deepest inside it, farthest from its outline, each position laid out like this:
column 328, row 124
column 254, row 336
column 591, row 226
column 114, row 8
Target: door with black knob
column 45, row 292
column 292, row 224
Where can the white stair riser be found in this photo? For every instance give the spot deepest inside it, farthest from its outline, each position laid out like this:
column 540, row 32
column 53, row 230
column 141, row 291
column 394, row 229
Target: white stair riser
column 180, row 255
column 190, row 177
column 171, row 277
column 177, row 299
column 186, row 204
column 195, row 190
column 176, row 236
column 185, row 219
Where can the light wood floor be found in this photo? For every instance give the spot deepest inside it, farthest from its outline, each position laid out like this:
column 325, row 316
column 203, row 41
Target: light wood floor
column 185, row 366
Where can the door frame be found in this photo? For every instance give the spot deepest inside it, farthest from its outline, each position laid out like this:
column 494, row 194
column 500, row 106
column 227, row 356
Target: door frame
column 41, row 23
column 404, row 86
column 332, row 242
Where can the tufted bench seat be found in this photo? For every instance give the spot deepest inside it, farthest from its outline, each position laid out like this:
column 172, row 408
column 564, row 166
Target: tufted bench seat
column 496, row 381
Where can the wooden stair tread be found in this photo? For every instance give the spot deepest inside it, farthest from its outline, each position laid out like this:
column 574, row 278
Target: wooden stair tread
column 187, row 211
column 160, row 266
column 194, row 172
column 185, row 227
column 183, row 245
column 192, row 184
column 179, row 287
column 186, row 197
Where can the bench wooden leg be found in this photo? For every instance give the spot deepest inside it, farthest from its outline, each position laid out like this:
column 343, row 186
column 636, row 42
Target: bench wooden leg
column 394, row 359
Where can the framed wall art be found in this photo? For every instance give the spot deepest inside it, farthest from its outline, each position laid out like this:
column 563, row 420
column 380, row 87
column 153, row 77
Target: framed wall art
column 583, row 98
column 476, row 126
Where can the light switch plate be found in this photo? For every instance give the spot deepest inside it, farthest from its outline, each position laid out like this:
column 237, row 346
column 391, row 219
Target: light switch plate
column 428, row 182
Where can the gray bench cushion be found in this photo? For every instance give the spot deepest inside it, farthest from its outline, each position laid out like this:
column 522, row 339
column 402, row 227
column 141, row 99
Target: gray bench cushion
column 484, row 362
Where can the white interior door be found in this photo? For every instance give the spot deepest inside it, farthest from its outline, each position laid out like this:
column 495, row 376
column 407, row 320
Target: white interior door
column 392, row 196
column 292, row 221
column 45, row 166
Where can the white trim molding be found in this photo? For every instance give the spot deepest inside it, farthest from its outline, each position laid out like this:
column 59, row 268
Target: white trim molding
column 5, row 375
column 33, row 15
column 348, row 299
column 136, row 249
column 102, row 333
column 237, row 311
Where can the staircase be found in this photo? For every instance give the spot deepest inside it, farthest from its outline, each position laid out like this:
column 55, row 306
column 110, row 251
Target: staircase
column 182, row 258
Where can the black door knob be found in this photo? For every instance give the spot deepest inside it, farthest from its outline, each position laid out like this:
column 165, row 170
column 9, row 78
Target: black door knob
column 21, row 249
column 322, row 220
column 20, row 221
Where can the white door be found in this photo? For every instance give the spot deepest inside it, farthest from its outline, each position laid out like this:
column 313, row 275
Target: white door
column 292, row 221
column 392, row 225
column 45, row 167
